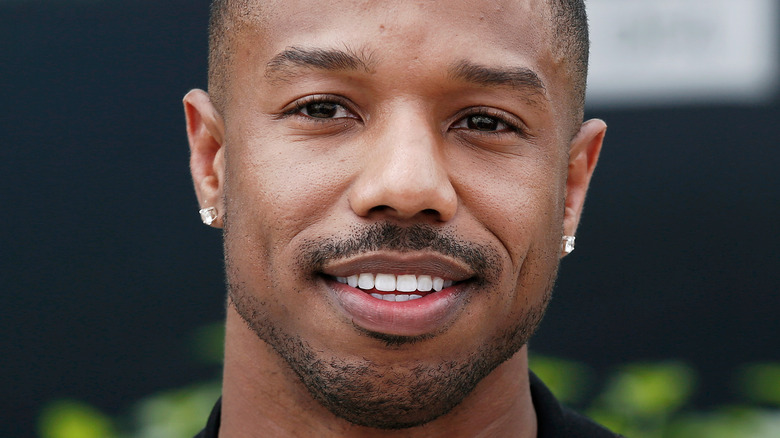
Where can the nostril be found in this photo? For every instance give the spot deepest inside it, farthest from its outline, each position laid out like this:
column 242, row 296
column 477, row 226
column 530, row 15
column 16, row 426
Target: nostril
column 387, row 208
column 380, row 208
column 394, row 212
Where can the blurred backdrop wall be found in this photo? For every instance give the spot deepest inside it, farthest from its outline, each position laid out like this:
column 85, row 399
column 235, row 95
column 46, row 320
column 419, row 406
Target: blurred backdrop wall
column 107, row 271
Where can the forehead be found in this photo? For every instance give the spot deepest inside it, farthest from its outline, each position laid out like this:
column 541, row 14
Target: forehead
column 457, row 15
column 419, row 31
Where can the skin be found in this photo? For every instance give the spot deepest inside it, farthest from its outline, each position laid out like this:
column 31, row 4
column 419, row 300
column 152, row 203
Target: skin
column 401, row 152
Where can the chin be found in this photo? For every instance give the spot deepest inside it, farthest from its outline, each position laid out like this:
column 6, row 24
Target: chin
column 389, row 395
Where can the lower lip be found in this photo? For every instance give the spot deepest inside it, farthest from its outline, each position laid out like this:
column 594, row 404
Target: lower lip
column 418, row 317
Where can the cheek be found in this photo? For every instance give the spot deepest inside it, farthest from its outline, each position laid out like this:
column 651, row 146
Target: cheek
column 518, row 199
column 280, row 189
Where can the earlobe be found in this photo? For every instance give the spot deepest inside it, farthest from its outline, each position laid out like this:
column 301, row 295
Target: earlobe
column 583, row 155
column 205, row 132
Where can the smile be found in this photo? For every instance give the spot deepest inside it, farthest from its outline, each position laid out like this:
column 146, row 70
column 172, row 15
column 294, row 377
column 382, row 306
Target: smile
column 403, row 294
column 404, row 285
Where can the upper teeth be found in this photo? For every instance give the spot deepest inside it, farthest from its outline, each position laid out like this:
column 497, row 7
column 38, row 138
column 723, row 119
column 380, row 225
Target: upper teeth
column 392, row 283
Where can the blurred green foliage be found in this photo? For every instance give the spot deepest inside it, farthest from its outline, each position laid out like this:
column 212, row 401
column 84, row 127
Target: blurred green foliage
column 72, row 419
column 208, row 343
column 652, row 400
column 178, row 413
column 568, row 380
column 640, row 400
column 760, row 383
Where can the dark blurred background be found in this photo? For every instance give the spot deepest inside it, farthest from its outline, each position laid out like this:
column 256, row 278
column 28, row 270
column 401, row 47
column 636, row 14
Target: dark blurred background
column 107, row 270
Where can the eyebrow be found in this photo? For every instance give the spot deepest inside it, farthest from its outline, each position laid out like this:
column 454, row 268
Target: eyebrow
column 282, row 67
column 282, row 64
column 520, row 78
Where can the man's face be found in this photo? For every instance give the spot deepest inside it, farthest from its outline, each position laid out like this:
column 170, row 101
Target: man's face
column 421, row 145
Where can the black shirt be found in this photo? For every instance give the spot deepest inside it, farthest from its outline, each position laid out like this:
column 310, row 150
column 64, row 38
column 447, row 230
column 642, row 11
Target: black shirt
column 553, row 420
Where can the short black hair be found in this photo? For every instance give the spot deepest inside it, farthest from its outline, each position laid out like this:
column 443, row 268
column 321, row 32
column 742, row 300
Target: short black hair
column 569, row 24
column 226, row 19
column 572, row 41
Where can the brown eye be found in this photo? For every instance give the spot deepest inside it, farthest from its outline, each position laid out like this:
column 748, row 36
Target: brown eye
column 321, row 110
column 483, row 123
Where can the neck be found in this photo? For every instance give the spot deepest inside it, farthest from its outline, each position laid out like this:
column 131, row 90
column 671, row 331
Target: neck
column 261, row 393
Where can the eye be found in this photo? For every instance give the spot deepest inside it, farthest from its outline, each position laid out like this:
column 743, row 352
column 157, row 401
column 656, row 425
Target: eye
column 324, row 110
column 482, row 122
column 487, row 122
column 320, row 114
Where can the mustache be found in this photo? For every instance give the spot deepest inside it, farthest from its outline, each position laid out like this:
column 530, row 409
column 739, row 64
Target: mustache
column 482, row 259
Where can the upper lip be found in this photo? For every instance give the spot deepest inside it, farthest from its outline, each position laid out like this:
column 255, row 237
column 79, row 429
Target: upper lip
column 414, row 263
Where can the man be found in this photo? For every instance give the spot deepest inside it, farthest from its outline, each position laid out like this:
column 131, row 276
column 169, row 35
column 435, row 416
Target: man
column 397, row 182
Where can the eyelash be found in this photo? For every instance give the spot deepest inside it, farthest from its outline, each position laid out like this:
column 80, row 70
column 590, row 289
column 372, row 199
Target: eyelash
column 513, row 126
column 299, row 105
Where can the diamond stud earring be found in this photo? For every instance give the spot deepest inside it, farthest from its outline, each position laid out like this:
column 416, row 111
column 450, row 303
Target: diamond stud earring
column 208, row 215
column 568, row 244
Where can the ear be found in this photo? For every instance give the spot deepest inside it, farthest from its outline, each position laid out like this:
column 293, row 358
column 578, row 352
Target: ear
column 205, row 132
column 583, row 155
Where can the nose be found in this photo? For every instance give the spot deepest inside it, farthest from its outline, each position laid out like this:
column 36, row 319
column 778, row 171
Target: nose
column 404, row 174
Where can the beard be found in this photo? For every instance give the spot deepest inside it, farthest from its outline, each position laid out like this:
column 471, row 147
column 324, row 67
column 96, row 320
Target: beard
column 403, row 394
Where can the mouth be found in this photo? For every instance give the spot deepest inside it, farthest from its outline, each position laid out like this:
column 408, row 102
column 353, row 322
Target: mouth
column 396, row 288
column 400, row 294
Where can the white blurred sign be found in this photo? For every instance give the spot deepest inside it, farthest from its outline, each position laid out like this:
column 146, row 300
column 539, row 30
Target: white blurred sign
column 660, row 52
